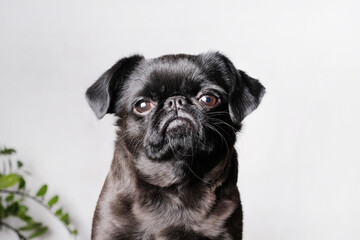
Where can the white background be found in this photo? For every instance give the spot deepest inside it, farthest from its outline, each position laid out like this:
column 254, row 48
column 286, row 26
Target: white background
column 298, row 152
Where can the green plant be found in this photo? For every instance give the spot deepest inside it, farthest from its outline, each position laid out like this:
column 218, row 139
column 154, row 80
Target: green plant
column 13, row 195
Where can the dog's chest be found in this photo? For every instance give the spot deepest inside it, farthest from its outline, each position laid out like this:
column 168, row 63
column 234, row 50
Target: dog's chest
column 172, row 215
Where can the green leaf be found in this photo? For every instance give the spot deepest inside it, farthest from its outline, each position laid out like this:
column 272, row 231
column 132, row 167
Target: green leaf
column 7, row 151
column 74, row 232
column 58, row 212
column 42, row 191
column 53, row 200
column 65, row 219
column 2, row 211
column 31, row 227
column 12, row 209
column 19, row 164
column 22, row 212
column 22, row 183
column 28, row 219
column 8, row 180
column 10, row 197
column 39, row 232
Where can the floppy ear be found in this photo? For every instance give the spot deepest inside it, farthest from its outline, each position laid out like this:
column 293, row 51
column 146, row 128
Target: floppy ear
column 245, row 96
column 102, row 95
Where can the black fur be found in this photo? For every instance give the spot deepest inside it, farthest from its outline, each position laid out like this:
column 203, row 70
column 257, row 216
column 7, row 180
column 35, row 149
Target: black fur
column 174, row 170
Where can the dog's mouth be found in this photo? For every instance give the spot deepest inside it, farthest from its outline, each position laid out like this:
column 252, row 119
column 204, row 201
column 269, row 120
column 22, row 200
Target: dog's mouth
column 180, row 123
column 175, row 134
column 177, row 124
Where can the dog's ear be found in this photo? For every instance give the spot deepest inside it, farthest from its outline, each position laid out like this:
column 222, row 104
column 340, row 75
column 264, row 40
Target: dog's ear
column 103, row 94
column 245, row 96
column 245, row 93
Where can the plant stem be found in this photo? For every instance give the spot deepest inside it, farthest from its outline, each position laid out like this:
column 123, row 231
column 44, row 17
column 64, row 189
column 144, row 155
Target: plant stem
column 22, row 237
column 24, row 194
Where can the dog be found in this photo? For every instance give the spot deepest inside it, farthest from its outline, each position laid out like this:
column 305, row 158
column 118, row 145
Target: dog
column 174, row 171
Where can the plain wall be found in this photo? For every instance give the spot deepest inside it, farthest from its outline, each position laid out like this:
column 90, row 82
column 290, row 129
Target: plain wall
column 298, row 152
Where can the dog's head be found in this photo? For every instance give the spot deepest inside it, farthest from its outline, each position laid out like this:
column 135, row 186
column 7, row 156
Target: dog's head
column 176, row 110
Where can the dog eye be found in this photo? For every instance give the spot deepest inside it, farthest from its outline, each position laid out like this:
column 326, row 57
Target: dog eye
column 143, row 106
column 209, row 100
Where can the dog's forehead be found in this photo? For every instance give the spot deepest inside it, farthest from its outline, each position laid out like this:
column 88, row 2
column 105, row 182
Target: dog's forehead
column 163, row 77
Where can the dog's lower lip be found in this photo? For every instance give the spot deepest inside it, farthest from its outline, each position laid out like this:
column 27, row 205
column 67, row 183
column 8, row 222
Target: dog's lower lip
column 178, row 122
column 180, row 119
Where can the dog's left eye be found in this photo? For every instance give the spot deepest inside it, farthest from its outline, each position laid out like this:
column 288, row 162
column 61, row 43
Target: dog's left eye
column 209, row 100
column 143, row 106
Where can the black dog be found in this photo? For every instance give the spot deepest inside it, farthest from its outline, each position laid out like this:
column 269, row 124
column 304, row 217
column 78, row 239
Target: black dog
column 174, row 170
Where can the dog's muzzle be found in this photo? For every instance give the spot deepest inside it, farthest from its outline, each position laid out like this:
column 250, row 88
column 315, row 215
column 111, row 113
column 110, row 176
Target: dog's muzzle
column 177, row 119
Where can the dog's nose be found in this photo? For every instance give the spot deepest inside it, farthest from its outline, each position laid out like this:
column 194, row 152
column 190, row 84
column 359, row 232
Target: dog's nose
column 175, row 102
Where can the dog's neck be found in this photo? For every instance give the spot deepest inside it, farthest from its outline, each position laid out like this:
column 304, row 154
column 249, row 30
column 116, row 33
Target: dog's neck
column 136, row 169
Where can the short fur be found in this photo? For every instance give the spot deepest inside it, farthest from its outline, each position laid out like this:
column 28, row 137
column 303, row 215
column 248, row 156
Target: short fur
column 174, row 171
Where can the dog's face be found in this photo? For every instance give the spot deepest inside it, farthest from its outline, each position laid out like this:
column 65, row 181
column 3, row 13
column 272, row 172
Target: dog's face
column 176, row 112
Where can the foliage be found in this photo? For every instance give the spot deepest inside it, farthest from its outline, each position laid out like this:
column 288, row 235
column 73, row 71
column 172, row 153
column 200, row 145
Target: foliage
column 13, row 194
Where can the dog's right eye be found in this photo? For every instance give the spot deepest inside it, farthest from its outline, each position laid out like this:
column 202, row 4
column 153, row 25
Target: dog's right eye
column 209, row 100
column 143, row 106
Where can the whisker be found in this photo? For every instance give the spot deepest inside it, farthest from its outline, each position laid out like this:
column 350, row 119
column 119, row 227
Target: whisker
column 221, row 136
column 197, row 175
column 222, row 122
